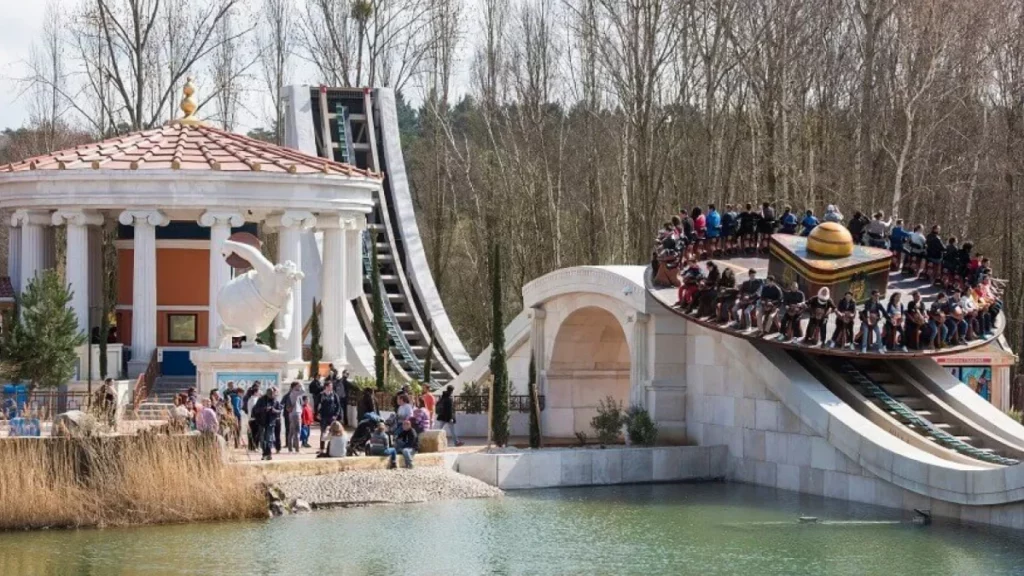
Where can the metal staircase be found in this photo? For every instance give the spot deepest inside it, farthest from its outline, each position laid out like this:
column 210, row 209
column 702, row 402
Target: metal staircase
column 348, row 134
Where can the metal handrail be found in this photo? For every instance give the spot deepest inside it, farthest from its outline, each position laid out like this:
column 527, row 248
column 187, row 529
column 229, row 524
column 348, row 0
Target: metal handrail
column 390, row 320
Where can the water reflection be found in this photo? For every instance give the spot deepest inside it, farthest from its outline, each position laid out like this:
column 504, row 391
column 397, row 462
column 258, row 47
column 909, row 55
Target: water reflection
column 664, row 529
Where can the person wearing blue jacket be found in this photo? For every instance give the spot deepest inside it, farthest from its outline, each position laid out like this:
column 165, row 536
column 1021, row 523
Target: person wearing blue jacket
column 788, row 221
column 809, row 223
column 713, row 222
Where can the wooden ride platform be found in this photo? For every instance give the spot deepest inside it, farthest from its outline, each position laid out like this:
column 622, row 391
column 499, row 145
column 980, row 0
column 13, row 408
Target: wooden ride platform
column 896, row 282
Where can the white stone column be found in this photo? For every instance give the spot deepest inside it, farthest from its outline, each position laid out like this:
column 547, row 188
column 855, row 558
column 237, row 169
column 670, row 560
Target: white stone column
column 220, row 224
column 33, row 245
column 14, row 257
column 77, row 269
column 143, row 285
column 354, row 258
column 537, row 348
column 290, row 226
column 332, row 289
column 638, row 379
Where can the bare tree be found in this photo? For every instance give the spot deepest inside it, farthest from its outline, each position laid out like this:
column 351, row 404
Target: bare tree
column 276, row 47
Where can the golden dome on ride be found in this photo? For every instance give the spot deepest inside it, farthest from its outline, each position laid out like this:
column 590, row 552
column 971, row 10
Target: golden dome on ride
column 830, row 239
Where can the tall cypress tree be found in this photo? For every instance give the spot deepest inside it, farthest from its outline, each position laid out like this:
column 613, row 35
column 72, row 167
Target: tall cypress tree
column 316, row 351
column 380, row 331
column 535, row 441
column 499, row 370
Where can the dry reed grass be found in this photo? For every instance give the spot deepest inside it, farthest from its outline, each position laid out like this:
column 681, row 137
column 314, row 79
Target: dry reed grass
column 122, row 480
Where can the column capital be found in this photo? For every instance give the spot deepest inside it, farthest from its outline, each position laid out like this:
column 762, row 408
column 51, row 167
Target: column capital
column 299, row 219
column 151, row 217
column 77, row 218
column 539, row 313
column 37, row 217
column 214, row 218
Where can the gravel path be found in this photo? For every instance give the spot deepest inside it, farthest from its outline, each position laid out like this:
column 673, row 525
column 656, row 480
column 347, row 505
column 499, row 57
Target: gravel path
column 364, row 487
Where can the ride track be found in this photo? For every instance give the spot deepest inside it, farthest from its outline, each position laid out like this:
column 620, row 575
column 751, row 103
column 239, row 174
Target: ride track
column 667, row 297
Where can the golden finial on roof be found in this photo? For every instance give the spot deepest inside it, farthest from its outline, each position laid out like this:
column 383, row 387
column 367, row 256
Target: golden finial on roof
column 189, row 105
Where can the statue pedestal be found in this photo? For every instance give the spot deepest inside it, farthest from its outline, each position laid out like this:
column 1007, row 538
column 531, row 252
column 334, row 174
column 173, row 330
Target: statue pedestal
column 242, row 366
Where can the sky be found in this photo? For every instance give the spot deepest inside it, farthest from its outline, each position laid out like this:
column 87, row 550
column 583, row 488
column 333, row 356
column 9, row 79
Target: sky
column 20, row 23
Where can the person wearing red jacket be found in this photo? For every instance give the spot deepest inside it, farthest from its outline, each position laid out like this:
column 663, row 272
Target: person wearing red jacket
column 307, row 421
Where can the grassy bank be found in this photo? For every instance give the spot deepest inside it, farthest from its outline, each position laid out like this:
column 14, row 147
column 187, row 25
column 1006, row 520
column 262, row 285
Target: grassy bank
column 121, row 480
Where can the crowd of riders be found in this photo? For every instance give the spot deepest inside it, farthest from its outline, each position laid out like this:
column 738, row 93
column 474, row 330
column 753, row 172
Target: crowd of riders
column 965, row 309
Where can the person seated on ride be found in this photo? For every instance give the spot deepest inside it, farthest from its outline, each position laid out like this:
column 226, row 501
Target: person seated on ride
column 934, row 249
column 748, row 227
column 846, row 311
column 818, row 308
column 870, row 317
column 700, row 231
column 668, row 230
column 832, row 214
column 877, row 230
column 727, row 294
column 808, row 223
column 894, row 314
column 915, row 247
column 971, row 315
column 988, row 307
column 730, row 225
column 788, row 221
column 746, row 301
column 708, row 292
column 768, row 303
column 956, row 321
column 856, row 227
column 766, row 225
column 794, row 302
column 692, row 276
column 950, row 263
column 973, row 269
column 916, row 318
column 668, row 268
column 714, row 223
column 936, row 332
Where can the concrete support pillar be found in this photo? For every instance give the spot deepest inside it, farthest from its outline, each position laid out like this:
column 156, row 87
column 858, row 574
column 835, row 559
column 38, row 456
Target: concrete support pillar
column 33, row 225
column 14, row 257
column 220, row 224
column 143, row 285
column 77, row 268
column 639, row 356
column 537, row 348
column 290, row 226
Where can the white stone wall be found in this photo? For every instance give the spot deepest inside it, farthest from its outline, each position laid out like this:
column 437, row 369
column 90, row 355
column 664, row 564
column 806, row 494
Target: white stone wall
column 551, row 468
column 729, row 402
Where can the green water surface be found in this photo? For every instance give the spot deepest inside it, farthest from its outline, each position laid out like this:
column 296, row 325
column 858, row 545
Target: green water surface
column 705, row 529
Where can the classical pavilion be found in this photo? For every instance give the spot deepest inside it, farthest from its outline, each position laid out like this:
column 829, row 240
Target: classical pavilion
column 177, row 192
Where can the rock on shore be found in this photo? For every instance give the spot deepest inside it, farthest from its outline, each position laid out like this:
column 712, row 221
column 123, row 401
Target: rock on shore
column 366, row 487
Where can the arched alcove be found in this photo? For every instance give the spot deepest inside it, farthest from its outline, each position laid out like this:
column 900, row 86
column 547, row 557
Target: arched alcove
column 590, row 360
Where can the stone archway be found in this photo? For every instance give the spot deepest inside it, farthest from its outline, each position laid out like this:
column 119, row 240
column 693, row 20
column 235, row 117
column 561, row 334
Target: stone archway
column 589, row 361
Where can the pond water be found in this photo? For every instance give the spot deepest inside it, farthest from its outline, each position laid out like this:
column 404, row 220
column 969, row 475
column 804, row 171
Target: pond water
column 662, row 529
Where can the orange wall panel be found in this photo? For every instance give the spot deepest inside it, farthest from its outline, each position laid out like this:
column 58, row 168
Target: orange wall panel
column 124, row 327
column 125, row 273
column 182, row 277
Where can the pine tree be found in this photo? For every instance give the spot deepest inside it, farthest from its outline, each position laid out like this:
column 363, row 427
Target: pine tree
column 380, row 331
column 535, row 438
column 40, row 348
column 316, row 352
column 428, row 363
column 499, row 370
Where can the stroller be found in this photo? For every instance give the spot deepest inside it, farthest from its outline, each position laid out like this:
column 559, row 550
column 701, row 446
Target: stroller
column 359, row 444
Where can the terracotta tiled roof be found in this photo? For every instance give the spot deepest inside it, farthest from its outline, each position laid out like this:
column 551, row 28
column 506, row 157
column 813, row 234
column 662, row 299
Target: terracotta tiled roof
column 6, row 288
column 184, row 146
